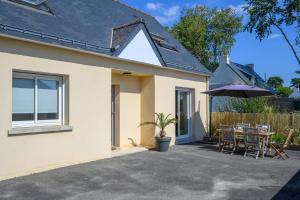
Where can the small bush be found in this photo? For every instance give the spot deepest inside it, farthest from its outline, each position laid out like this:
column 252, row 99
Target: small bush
column 278, row 138
column 296, row 137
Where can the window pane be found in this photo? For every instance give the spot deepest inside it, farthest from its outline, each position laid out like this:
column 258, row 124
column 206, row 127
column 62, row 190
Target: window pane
column 47, row 99
column 23, row 99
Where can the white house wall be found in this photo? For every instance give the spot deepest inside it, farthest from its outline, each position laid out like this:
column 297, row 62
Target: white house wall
column 140, row 49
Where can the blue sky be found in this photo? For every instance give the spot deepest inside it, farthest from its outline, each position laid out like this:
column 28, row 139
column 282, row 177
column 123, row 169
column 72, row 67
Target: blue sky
column 272, row 56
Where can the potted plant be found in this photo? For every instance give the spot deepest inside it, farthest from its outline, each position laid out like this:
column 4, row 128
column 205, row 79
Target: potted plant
column 162, row 122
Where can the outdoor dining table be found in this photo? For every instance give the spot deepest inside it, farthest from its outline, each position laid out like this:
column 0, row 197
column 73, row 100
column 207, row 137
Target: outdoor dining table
column 265, row 136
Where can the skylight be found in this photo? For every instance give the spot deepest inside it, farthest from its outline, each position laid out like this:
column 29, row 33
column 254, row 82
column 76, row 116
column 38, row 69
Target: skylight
column 161, row 41
column 34, row 2
column 39, row 5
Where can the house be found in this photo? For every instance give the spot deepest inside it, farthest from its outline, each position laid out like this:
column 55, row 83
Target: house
column 295, row 94
column 78, row 78
column 230, row 72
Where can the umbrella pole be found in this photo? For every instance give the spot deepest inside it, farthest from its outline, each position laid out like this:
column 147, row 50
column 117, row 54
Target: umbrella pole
column 210, row 116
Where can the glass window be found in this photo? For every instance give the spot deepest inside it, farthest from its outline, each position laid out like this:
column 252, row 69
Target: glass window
column 47, row 99
column 23, row 99
column 37, row 99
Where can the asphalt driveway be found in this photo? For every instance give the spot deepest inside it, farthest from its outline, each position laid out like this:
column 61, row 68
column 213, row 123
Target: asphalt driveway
column 186, row 172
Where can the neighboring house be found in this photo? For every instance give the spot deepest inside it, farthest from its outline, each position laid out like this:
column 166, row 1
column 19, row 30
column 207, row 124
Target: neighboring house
column 295, row 94
column 78, row 77
column 230, row 72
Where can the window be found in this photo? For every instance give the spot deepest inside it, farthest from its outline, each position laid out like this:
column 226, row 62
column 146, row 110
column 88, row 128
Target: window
column 37, row 100
column 38, row 5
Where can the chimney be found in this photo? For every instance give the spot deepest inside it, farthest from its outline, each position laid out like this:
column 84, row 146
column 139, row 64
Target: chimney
column 251, row 66
column 224, row 60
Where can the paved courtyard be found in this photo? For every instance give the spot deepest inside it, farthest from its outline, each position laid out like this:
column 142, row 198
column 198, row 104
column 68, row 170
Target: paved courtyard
column 186, row 172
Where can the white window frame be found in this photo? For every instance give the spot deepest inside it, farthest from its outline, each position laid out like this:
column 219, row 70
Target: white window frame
column 61, row 94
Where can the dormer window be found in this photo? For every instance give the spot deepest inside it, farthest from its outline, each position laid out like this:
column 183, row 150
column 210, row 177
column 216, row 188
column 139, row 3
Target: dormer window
column 161, row 41
column 39, row 5
column 34, row 2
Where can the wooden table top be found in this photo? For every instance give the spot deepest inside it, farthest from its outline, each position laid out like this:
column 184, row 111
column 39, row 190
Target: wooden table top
column 240, row 131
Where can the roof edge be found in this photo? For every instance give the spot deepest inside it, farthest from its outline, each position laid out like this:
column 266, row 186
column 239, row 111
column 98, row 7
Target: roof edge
column 101, row 54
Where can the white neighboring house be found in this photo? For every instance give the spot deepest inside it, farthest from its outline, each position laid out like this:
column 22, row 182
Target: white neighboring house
column 230, row 72
column 295, row 94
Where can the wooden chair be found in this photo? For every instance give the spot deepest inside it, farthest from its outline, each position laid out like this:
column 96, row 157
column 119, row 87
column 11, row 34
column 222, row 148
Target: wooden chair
column 240, row 138
column 242, row 126
column 280, row 148
column 263, row 127
column 252, row 142
column 227, row 139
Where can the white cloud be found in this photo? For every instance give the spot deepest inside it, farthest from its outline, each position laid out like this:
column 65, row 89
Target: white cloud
column 153, row 6
column 172, row 11
column 274, row 36
column 165, row 15
column 239, row 9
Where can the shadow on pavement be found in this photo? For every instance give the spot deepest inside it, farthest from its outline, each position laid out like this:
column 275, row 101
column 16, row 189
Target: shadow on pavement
column 291, row 190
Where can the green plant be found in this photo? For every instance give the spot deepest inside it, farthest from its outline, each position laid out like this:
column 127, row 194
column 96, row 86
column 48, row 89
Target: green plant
column 284, row 91
column 250, row 105
column 296, row 137
column 162, row 122
column 278, row 138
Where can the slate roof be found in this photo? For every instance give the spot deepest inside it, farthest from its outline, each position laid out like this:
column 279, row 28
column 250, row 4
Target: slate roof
column 247, row 74
column 88, row 25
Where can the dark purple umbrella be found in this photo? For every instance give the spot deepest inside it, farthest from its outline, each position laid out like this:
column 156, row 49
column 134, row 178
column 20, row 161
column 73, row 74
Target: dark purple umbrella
column 244, row 91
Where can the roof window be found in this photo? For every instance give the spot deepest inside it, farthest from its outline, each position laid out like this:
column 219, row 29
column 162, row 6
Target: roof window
column 39, row 5
column 34, row 2
column 161, row 41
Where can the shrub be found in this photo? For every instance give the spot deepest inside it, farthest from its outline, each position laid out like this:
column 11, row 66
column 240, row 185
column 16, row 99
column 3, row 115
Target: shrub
column 296, row 137
column 278, row 138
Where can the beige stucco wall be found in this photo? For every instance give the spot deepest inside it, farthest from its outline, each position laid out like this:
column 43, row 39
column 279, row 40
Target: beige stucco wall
column 129, row 111
column 165, row 101
column 89, row 113
column 149, row 89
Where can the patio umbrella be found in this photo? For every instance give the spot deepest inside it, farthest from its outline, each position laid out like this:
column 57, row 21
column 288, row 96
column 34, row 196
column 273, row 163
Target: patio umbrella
column 241, row 91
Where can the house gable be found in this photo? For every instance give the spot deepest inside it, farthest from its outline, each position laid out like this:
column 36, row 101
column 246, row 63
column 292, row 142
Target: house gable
column 225, row 75
column 140, row 49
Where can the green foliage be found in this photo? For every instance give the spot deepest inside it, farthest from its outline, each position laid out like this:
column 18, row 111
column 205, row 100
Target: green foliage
column 265, row 15
column 284, row 91
column 278, row 138
column 295, row 82
column 162, row 122
column 275, row 81
column 251, row 105
column 296, row 136
column 207, row 33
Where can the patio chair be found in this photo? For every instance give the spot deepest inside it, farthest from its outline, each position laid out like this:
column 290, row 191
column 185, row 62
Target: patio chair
column 241, row 126
column 263, row 127
column 240, row 138
column 280, row 148
column 227, row 139
column 252, row 142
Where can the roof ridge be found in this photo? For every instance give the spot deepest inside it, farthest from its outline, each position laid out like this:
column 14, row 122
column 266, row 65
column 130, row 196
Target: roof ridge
column 128, row 6
column 130, row 23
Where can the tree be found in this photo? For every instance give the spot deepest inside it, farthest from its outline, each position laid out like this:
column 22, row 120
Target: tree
column 284, row 91
column 264, row 15
column 295, row 82
column 275, row 81
column 207, row 33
